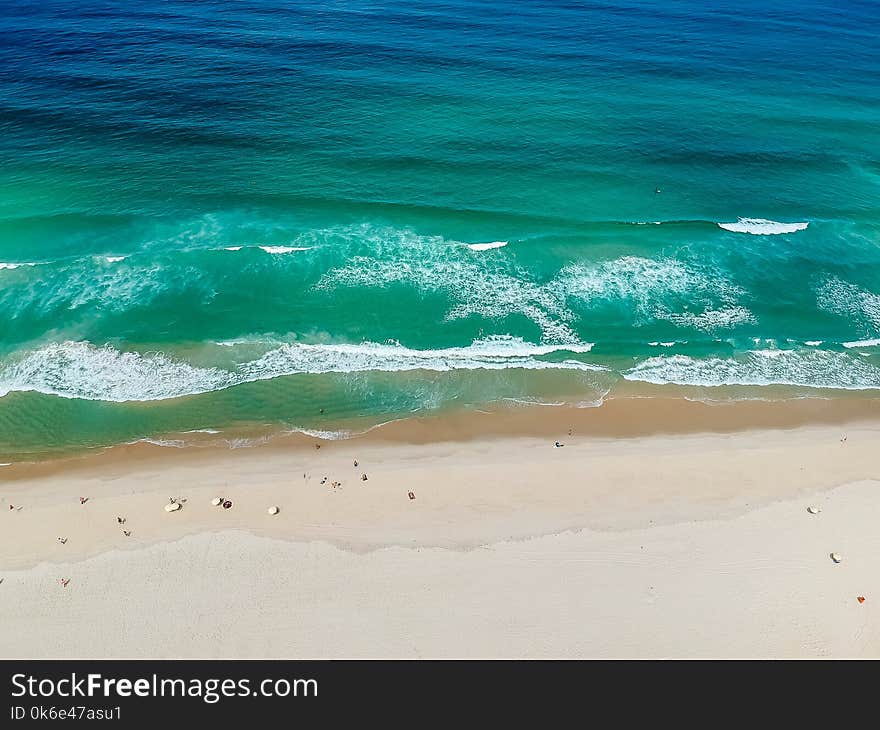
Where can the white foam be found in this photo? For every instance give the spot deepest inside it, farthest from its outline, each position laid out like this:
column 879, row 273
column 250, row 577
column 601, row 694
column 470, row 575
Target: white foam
column 246, row 443
column 114, row 259
column 323, row 435
column 807, row 368
column 862, row 343
column 710, row 319
column 814, row 343
column 762, row 227
column 80, row 284
column 483, row 286
column 486, row 246
column 166, row 443
column 685, row 294
column 15, row 266
column 233, row 248
column 82, row 370
column 203, row 430
column 283, row 249
column 848, row 300
column 7, row 464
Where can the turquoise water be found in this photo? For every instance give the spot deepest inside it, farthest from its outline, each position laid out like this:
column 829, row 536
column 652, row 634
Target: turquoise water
column 219, row 215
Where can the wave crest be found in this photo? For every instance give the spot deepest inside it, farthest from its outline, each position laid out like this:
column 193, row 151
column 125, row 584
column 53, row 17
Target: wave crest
column 762, row 227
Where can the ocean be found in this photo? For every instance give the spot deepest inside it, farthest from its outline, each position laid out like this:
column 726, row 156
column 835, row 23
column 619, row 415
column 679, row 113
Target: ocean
column 228, row 216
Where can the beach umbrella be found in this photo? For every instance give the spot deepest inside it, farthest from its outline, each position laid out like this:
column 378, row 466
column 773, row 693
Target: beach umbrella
column 217, row 501
column 272, row 510
column 172, row 506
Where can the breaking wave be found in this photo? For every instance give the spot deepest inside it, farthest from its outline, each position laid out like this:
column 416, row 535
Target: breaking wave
column 83, row 370
column 806, row 368
column 762, row 227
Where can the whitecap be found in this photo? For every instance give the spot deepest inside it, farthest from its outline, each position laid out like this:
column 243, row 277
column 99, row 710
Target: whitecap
column 486, row 246
column 813, row 343
column 233, row 248
column 114, row 259
column 15, row 265
column 862, row 343
column 283, row 249
column 762, row 226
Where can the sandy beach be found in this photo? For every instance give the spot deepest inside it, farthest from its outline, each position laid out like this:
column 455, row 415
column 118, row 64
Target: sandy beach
column 658, row 529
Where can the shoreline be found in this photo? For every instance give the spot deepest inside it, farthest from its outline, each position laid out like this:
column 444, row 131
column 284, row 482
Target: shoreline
column 723, row 498
column 627, row 416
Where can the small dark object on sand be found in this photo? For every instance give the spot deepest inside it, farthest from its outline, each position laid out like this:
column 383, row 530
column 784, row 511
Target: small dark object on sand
column 65, row 581
column 227, row 504
column 120, row 520
column 83, row 500
column 355, row 462
column 558, row 445
column 860, row 599
column 127, row 533
column 363, row 477
column 62, row 540
column 317, row 446
column 411, row 495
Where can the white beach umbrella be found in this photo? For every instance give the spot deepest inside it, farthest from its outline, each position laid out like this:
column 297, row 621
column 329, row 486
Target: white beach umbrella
column 273, row 510
column 172, row 506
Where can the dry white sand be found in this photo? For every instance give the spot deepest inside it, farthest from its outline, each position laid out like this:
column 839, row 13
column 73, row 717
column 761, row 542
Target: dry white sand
column 684, row 546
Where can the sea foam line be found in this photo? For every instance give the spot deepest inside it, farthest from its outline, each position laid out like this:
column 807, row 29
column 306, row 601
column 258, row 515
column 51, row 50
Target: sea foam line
column 805, row 368
column 83, row 370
